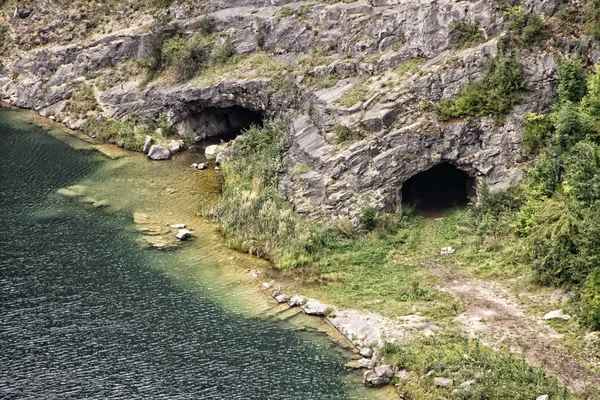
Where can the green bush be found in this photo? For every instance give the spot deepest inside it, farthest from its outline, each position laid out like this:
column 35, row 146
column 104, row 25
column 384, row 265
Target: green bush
column 528, row 26
column 464, row 34
column 185, row 56
column 571, row 80
column 592, row 18
column 537, row 130
column 224, row 52
column 496, row 94
column 367, row 218
column 251, row 213
column 590, row 300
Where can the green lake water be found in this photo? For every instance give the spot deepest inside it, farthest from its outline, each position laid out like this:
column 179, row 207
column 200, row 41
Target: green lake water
column 88, row 310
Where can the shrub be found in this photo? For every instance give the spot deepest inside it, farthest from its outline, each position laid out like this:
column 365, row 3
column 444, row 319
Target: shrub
column 343, row 134
column 206, row 26
column 464, row 34
column 538, row 129
column 224, row 52
column 590, row 300
column 496, row 94
column 185, row 56
column 367, row 218
column 527, row 26
column 251, row 213
column 3, row 33
column 82, row 101
column 571, row 80
column 592, row 18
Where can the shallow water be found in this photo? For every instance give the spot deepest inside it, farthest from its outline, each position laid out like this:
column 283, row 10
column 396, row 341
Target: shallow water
column 89, row 310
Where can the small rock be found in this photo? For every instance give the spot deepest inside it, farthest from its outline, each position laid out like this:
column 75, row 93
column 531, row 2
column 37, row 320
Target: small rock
column 314, row 307
column 147, row 144
column 282, row 298
column 557, row 314
column 194, row 165
column 217, row 168
column 542, row 397
column 178, row 226
column 201, row 166
column 366, row 352
column 158, row 153
column 366, row 363
column 183, row 234
column 466, row 384
column 296, row 301
column 402, row 374
column 52, row 117
column 255, row 274
column 382, row 375
column 267, row 285
column 443, row 382
column 430, row 373
column 592, row 336
column 220, row 158
column 175, row 145
column 447, row 250
column 211, row 150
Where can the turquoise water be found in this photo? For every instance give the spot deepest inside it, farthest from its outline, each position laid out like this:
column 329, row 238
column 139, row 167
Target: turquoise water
column 88, row 312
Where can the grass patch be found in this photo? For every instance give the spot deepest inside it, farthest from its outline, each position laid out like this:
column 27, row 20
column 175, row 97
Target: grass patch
column 496, row 375
column 82, row 101
column 126, row 133
column 356, row 94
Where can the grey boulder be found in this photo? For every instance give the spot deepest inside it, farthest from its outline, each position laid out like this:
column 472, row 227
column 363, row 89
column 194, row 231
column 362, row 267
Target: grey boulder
column 159, row 153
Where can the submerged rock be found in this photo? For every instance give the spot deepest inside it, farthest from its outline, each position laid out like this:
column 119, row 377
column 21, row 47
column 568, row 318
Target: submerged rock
column 177, row 226
column 201, row 166
column 183, row 234
column 158, row 153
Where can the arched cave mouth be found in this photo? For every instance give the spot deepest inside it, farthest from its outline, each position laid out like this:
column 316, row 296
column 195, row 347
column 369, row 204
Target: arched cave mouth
column 438, row 188
column 218, row 123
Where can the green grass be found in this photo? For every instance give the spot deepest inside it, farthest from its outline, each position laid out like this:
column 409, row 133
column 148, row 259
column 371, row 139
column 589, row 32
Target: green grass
column 356, row 94
column 497, row 375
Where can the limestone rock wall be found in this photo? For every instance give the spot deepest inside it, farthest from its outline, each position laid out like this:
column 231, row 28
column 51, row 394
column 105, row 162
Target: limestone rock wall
column 367, row 43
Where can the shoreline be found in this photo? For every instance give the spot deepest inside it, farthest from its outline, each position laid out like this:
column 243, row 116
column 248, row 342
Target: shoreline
column 333, row 331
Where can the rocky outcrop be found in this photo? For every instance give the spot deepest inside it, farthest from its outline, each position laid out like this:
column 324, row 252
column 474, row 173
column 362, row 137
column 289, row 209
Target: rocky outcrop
column 399, row 52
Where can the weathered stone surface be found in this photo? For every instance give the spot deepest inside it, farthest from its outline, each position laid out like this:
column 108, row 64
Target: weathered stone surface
column 157, row 152
column 401, row 140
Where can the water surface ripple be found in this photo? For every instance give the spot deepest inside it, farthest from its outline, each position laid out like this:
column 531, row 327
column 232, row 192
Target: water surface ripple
column 83, row 315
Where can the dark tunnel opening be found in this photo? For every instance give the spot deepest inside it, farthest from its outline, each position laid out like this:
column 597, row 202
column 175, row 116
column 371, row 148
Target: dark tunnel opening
column 438, row 188
column 219, row 123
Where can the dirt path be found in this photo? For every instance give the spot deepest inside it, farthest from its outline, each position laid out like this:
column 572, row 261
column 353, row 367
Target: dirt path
column 499, row 319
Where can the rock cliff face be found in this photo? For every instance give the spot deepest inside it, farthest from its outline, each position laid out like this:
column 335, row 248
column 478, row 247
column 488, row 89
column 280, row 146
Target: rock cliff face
column 375, row 67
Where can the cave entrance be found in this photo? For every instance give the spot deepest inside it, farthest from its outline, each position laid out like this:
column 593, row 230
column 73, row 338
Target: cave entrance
column 438, row 188
column 219, row 123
